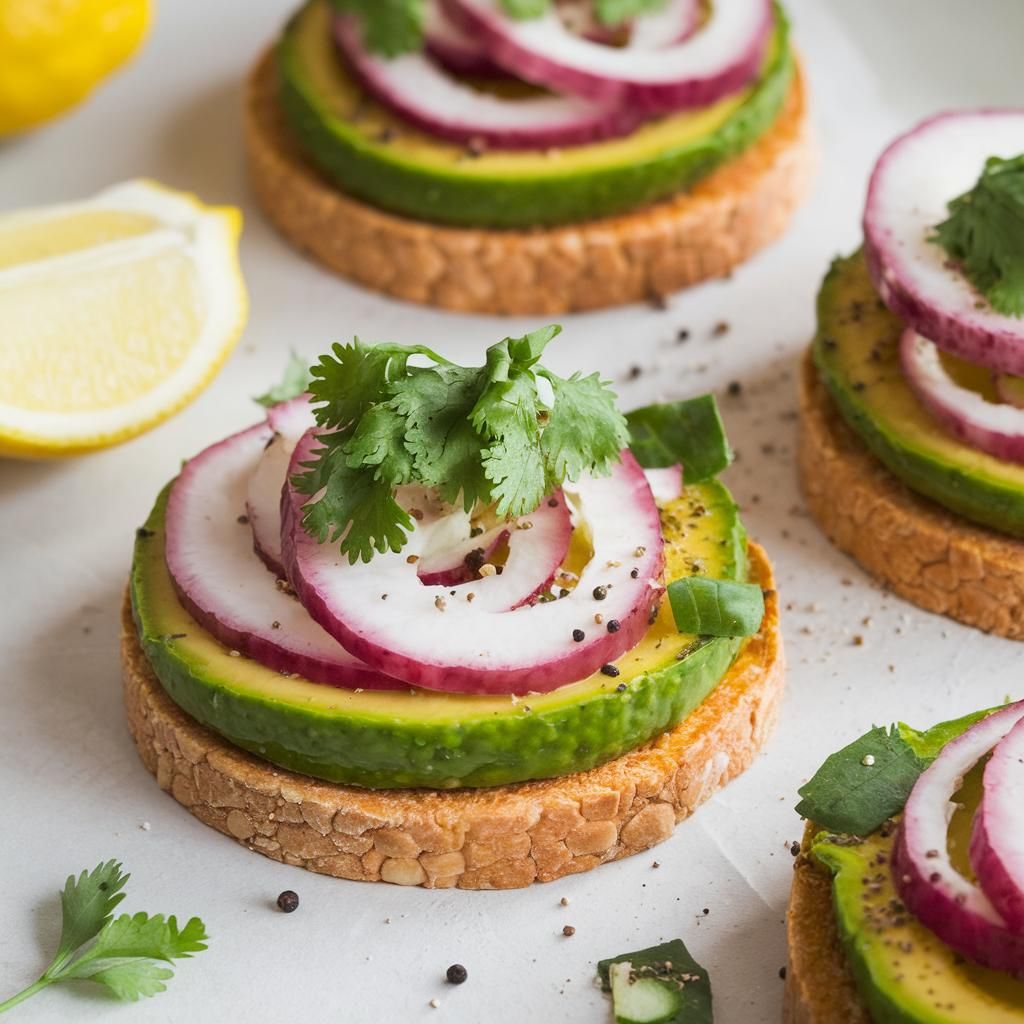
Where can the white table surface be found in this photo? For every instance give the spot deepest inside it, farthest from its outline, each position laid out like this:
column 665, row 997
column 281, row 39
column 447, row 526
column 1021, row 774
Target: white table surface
column 73, row 789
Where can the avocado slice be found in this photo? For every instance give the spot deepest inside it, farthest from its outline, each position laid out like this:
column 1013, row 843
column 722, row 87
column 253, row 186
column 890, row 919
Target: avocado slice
column 419, row 738
column 856, row 352
column 374, row 155
column 904, row 973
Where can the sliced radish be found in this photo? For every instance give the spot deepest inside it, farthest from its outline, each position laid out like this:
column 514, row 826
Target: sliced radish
column 987, row 426
column 439, row 640
column 289, row 421
column 912, row 183
column 460, row 562
column 666, row 484
column 956, row 910
column 226, row 589
column 426, row 95
column 453, row 48
column 1010, row 389
column 723, row 56
column 997, row 844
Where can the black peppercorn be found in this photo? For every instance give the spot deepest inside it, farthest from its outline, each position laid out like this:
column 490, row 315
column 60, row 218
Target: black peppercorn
column 456, row 974
column 600, row 593
column 578, row 635
column 610, row 670
column 613, row 625
column 288, row 901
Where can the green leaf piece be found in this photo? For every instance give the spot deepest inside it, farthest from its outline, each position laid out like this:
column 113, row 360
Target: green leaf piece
column 870, row 779
column 504, row 434
column 707, row 607
column 984, row 234
column 294, row 382
column 390, row 27
column 87, row 904
column 689, row 431
column 614, row 12
column 522, row 9
column 670, row 965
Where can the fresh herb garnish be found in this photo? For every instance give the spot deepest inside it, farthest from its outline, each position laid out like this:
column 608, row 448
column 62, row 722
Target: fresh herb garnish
column 504, row 434
column 293, row 383
column 522, row 9
column 614, row 12
column 390, row 27
column 707, row 607
column 660, row 984
column 690, row 432
column 984, row 234
column 130, row 952
column 870, row 779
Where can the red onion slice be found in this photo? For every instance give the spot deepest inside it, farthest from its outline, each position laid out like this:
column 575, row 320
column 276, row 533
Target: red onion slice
column 289, row 421
column 997, row 844
column 422, row 93
column 912, row 183
column 957, row 911
column 454, row 49
column 666, row 484
column 673, row 22
column 455, row 564
column 224, row 586
column 988, row 426
column 722, row 57
column 445, row 641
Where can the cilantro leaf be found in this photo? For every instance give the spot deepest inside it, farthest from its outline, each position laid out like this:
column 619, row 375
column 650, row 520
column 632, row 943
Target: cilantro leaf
column 521, row 9
column 504, row 434
column 869, row 780
column 127, row 954
column 390, row 27
column 293, row 383
column 984, row 234
column 87, row 904
column 689, row 431
column 614, row 12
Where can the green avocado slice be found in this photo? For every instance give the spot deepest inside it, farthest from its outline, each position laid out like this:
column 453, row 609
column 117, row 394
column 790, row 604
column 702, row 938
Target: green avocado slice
column 856, row 352
column 375, row 156
column 904, row 974
column 418, row 738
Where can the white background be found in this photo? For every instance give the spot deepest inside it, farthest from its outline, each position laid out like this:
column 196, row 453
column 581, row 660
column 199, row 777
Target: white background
column 73, row 791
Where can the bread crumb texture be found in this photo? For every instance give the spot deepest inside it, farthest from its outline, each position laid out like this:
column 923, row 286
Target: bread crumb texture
column 500, row 838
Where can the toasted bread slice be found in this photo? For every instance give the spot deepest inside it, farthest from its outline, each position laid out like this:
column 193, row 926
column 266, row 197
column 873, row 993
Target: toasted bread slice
column 932, row 557
column 499, row 838
column 702, row 233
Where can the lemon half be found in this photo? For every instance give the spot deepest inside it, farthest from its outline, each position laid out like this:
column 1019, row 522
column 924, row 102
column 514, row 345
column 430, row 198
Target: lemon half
column 114, row 312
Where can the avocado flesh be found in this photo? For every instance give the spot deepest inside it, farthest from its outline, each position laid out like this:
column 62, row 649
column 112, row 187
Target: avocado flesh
column 389, row 739
column 856, row 350
column 904, row 973
column 374, row 155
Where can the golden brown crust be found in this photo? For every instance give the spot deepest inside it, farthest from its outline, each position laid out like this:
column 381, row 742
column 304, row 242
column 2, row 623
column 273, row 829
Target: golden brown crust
column 819, row 985
column 932, row 557
column 703, row 233
column 499, row 838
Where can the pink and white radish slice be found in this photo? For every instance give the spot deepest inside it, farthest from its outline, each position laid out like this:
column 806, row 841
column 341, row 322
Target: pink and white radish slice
column 442, row 641
column 671, row 23
column 424, row 94
column 956, row 910
column 226, row 588
column 453, row 48
column 455, row 564
column 722, row 57
column 988, row 426
column 912, row 183
column 666, row 484
column 997, row 844
column 288, row 421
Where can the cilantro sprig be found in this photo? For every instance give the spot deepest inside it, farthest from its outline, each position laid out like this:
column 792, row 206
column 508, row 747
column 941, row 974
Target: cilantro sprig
column 128, row 954
column 393, row 27
column 293, row 382
column 504, row 434
column 984, row 234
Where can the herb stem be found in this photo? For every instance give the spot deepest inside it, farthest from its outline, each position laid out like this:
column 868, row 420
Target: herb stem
column 25, row 993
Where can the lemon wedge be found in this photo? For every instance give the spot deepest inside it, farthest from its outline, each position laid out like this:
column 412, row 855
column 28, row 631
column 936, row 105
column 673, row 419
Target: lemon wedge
column 116, row 312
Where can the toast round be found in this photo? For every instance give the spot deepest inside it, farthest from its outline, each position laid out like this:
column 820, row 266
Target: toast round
column 819, row 984
column 500, row 838
column 703, row 233
column 932, row 557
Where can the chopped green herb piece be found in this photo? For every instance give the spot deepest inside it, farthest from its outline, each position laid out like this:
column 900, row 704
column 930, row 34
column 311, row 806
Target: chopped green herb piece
column 659, row 985
column 869, row 780
column 130, row 952
column 614, row 12
column 522, row 9
column 690, row 432
column 984, row 234
column 707, row 607
column 390, row 27
column 293, row 383
column 504, row 434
